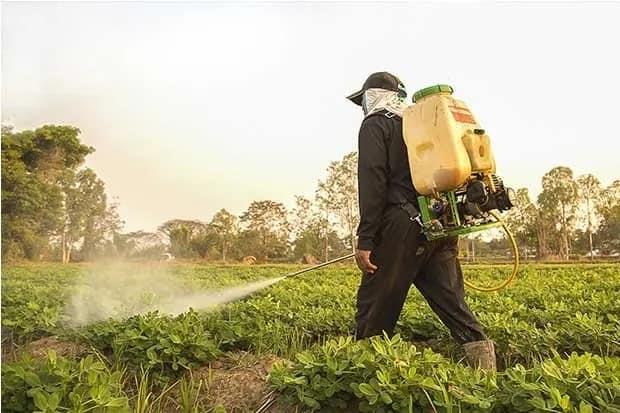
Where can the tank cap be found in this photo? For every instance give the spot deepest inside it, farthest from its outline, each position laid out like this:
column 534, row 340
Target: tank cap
column 431, row 90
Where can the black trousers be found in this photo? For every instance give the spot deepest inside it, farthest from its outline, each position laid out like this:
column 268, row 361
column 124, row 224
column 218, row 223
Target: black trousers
column 405, row 257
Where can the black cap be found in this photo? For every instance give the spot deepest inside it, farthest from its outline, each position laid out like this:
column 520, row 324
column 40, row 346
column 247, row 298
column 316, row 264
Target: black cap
column 379, row 80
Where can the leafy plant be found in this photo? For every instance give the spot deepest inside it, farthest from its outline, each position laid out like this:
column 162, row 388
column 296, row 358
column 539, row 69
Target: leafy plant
column 162, row 344
column 537, row 323
column 57, row 383
column 383, row 374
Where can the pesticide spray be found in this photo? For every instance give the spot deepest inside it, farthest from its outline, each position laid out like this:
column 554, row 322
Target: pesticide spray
column 208, row 300
column 120, row 290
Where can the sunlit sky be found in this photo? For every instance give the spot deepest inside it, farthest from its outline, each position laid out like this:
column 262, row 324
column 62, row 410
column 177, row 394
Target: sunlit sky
column 193, row 107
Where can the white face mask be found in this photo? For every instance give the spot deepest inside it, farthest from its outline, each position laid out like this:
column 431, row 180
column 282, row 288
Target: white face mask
column 375, row 100
column 364, row 105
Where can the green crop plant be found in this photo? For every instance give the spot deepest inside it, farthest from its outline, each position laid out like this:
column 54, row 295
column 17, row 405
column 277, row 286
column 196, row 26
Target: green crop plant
column 380, row 375
column 190, row 391
column 60, row 384
column 164, row 345
column 388, row 374
column 553, row 318
column 580, row 383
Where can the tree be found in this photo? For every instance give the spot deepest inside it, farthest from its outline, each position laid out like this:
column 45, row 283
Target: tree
column 338, row 194
column 226, row 227
column 589, row 188
column 312, row 232
column 266, row 230
column 559, row 200
column 139, row 244
column 301, row 215
column 34, row 165
column 112, row 223
column 523, row 221
column 87, row 216
column 203, row 242
column 609, row 209
column 180, row 233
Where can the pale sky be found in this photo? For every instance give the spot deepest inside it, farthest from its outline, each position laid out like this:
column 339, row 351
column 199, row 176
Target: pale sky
column 193, row 107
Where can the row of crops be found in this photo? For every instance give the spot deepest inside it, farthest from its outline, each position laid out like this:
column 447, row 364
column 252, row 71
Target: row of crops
column 557, row 332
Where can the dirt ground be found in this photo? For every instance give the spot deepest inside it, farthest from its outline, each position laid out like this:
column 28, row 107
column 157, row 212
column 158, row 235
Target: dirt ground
column 238, row 382
column 38, row 349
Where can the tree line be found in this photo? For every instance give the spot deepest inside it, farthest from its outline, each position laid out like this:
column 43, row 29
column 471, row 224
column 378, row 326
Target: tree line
column 314, row 229
column 54, row 208
column 572, row 216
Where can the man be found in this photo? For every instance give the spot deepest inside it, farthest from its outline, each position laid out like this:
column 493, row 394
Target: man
column 392, row 251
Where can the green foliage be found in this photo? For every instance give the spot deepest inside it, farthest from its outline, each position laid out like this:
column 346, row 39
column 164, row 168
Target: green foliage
column 59, row 384
column 226, row 228
column 33, row 164
column 589, row 188
column 180, row 233
column 551, row 226
column 189, row 390
column 45, row 194
column 203, row 243
column 313, row 232
column 87, row 216
column 299, row 310
column 140, row 244
column 550, row 312
column 524, row 222
column 608, row 234
column 266, row 230
column 525, row 320
column 33, row 297
column 313, row 241
column 162, row 344
column 190, row 238
column 337, row 194
column 385, row 375
column 579, row 383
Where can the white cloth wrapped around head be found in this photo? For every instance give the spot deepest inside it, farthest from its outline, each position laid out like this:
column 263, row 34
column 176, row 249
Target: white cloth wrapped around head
column 375, row 100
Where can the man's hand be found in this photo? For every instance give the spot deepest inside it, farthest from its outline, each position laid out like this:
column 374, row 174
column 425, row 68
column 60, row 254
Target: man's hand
column 362, row 258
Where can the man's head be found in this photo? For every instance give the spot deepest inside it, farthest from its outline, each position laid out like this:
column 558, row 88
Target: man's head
column 379, row 80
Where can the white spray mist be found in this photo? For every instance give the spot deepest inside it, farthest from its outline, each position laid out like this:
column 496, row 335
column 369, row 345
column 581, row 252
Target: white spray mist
column 122, row 290
column 206, row 300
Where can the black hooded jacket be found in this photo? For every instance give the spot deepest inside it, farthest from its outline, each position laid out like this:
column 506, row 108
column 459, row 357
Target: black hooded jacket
column 384, row 177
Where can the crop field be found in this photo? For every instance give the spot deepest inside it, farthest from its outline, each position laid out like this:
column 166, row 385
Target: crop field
column 288, row 347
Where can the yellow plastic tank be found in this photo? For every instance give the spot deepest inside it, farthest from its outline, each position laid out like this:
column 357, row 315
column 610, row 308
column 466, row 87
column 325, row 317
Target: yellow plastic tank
column 478, row 146
column 445, row 143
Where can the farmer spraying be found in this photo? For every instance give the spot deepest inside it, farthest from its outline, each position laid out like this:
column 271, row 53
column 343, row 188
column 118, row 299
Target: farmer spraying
column 392, row 252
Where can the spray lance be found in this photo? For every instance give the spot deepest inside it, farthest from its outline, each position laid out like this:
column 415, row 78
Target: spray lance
column 453, row 171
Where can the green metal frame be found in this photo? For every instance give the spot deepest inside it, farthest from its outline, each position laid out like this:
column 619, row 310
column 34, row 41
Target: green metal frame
column 457, row 228
column 424, row 209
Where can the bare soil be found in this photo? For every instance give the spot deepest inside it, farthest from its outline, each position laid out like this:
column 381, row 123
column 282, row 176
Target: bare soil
column 38, row 349
column 238, row 382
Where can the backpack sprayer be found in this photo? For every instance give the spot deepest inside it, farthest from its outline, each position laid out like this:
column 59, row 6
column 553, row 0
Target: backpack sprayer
column 453, row 171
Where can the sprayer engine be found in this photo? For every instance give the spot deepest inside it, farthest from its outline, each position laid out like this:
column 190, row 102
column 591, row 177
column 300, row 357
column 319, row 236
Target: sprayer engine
column 466, row 209
column 479, row 197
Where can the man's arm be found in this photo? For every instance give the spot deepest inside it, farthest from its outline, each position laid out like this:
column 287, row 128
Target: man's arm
column 372, row 179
